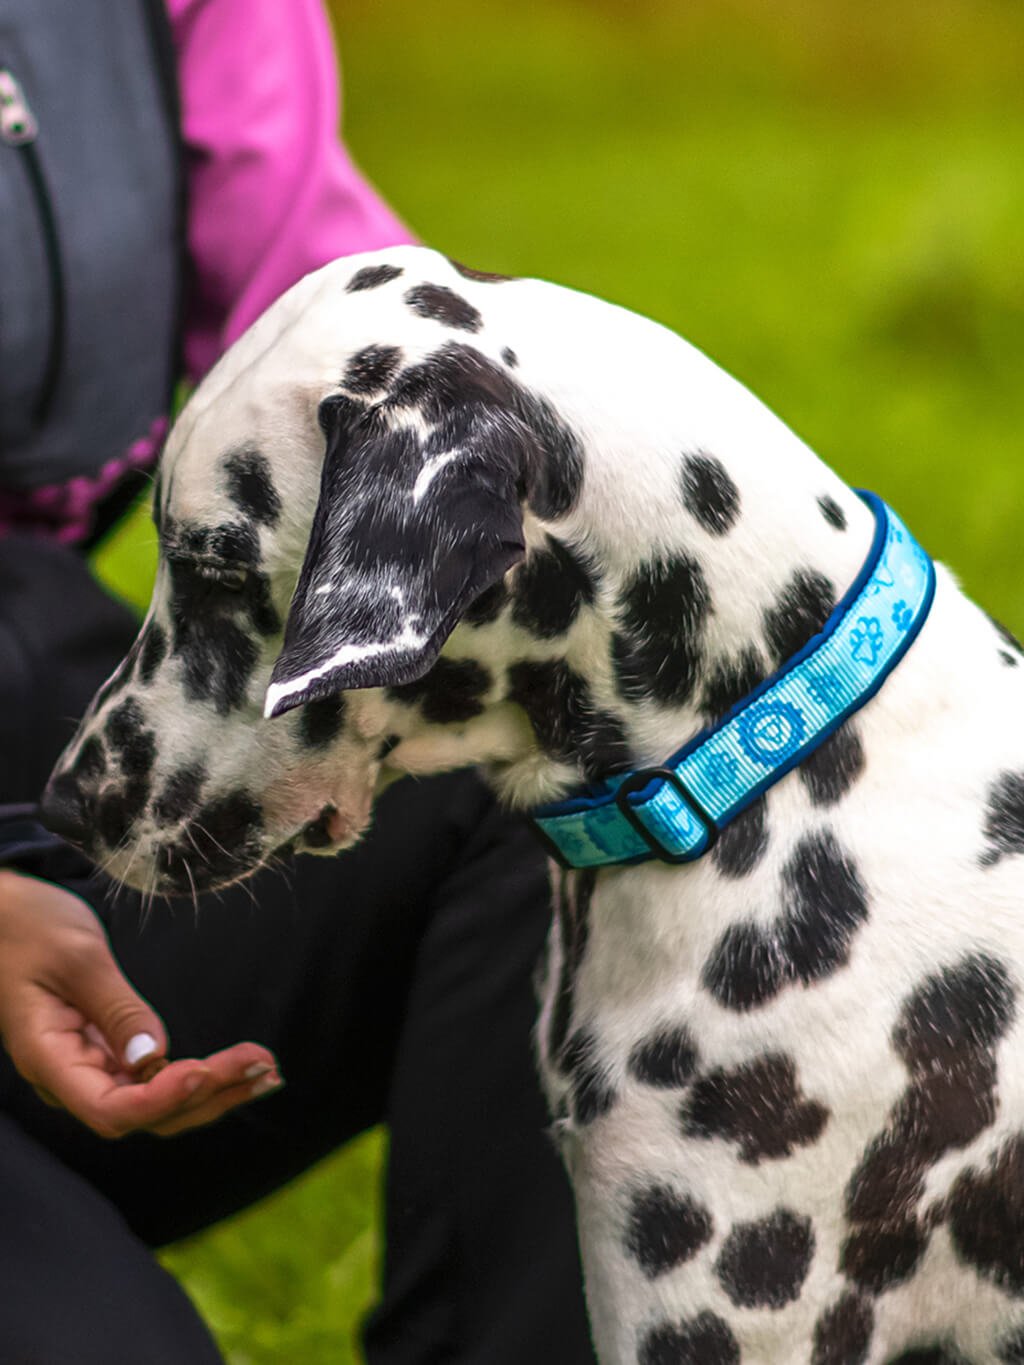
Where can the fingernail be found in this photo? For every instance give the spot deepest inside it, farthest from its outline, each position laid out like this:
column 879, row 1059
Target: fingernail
column 193, row 1082
column 142, row 1045
column 257, row 1069
column 265, row 1084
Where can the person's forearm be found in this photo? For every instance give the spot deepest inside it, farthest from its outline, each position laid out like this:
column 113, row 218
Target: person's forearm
column 272, row 191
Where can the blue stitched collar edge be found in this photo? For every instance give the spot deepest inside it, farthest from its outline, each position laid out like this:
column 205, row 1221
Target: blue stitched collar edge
column 605, row 794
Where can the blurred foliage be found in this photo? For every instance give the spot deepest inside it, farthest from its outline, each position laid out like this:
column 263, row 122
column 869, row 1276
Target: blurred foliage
column 287, row 1282
column 826, row 198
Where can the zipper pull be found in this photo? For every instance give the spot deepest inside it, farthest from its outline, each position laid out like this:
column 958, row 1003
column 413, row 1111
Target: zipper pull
column 17, row 121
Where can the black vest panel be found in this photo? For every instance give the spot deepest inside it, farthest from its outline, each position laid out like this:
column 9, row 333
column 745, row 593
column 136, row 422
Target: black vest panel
column 90, row 236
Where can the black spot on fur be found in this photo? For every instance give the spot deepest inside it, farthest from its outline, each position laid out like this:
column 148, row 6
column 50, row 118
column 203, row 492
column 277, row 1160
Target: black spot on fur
column 729, row 682
column 459, row 382
column 758, row 1105
column 664, row 1229
column 663, row 611
column 742, row 843
column 825, row 904
column 944, row 1035
column 438, row 302
column 549, row 589
column 154, row 651
column 205, row 564
column 666, row 1058
column 127, row 736
column 1010, row 660
column 1011, row 1349
column 832, row 512
column 452, row 691
column 1004, row 818
column 745, row 968
column 320, row 721
column 703, row 1340
column 91, row 762
column 929, row 1355
column 509, row 356
column 180, row 794
column 251, row 486
column 830, row 771
column 877, row 1256
column 224, row 834
column 558, row 705
column 574, row 891
column 235, row 543
column 488, row 606
column 113, row 818
column 262, row 612
column 592, row 1095
column 217, row 655
column 709, row 493
column 960, row 1010
column 986, row 1217
column 387, row 745
column 842, row 1335
column 218, row 659
column 803, row 607
column 763, row 1264
column 118, row 810
column 371, row 276
column 481, row 276
column 372, row 369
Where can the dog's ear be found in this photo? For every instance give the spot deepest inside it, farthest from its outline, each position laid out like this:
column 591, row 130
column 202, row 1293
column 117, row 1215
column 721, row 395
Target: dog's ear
column 409, row 530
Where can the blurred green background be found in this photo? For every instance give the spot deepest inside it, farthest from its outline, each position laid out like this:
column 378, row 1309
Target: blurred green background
column 826, row 197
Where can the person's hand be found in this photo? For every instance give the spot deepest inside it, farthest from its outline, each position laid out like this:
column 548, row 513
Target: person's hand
column 84, row 1038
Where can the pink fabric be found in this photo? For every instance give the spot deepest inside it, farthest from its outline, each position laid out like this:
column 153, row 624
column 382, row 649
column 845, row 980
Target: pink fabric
column 272, row 192
column 65, row 511
column 272, row 195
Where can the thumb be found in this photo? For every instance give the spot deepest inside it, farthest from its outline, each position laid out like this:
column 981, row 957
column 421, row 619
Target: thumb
column 131, row 1028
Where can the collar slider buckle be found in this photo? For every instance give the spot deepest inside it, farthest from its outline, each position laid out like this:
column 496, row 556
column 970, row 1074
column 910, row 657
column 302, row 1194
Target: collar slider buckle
column 641, row 779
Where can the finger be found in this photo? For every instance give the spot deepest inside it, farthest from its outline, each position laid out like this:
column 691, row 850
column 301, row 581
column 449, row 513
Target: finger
column 128, row 1025
column 112, row 1107
column 221, row 1103
column 81, row 1076
column 231, row 1066
column 185, row 1088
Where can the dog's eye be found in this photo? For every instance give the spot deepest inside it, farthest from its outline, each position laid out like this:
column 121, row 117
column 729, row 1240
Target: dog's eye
column 226, row 576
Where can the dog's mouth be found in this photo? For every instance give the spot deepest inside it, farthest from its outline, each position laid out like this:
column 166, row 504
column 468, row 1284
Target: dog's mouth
column 187, row 871
column 329, row 832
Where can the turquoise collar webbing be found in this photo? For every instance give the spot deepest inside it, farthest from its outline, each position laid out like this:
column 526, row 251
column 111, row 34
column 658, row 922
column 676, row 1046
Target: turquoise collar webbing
column 676, row 811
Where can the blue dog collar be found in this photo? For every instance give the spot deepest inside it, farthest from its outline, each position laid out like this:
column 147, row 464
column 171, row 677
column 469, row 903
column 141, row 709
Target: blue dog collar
column 675, row 812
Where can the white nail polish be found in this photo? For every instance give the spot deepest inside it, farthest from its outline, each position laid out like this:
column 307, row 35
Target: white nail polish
column 138, row 1048
column 252, row 1073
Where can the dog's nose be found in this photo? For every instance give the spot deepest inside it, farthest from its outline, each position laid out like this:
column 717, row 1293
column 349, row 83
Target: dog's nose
column 63, row 809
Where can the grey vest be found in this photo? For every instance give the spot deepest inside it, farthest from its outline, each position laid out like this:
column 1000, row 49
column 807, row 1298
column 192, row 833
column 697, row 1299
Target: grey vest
column 90, row 233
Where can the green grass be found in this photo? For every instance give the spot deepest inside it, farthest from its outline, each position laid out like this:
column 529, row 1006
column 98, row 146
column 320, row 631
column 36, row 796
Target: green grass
column 825, row 198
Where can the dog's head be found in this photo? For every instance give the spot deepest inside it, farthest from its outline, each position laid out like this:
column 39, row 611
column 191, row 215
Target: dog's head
column 342, row 510
column 352, row 481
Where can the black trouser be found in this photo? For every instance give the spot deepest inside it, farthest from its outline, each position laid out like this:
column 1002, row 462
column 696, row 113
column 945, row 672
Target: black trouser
column 394, row 983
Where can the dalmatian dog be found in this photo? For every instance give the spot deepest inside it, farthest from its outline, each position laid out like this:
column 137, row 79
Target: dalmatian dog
column 421, row 517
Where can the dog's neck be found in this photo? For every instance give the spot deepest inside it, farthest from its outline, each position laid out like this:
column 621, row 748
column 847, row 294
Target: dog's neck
column 689, row 618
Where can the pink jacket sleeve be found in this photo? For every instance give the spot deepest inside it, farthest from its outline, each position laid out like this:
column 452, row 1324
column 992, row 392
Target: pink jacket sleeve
column 272, row 191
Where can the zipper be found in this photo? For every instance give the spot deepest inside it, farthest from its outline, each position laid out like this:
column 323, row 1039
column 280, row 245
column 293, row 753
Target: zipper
column 19, row 129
